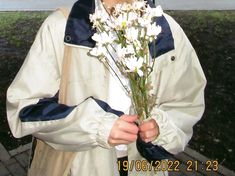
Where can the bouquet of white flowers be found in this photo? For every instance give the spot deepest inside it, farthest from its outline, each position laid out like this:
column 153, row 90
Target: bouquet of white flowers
column 128, row 31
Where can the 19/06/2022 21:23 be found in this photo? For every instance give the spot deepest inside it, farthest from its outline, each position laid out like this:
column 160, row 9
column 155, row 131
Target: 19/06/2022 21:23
column 169, row 165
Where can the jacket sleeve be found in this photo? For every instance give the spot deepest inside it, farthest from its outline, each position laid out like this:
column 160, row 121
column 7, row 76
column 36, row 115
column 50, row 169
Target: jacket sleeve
column 181, row 95
column 32, row 103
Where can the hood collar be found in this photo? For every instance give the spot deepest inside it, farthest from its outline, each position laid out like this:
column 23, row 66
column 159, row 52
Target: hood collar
column 79, row 29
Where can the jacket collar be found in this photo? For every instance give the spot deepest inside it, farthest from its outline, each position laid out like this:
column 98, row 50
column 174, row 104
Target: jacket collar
column 79, row 29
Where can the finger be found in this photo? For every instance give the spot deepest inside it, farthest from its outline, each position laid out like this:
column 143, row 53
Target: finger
column 123, row 136
column 148, row 134
column 148, row 125
column 113, row 142
column 149, row 139
column 129, row 118
column 127, row 127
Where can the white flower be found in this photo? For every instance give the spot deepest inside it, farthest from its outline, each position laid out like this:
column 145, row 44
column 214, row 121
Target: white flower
column 132, row 34
column 118, row 8
column 123, row 7
column 96, row 37
column 132, row 16
column 103, row 38
column 134, row 65
column 121, row 22
column 137, row 5
column 147, row 18
column 98, row 51
column 153, row 30
column 109, row 25
column 122, row 52
column 99, row 15
column 94, row 20
column 158, row 11
column 144, row 21
column 154, row 12
column 130, row 49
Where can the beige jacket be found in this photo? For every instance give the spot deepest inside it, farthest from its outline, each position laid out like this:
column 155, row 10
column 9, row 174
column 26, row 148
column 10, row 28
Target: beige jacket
column 84, row 125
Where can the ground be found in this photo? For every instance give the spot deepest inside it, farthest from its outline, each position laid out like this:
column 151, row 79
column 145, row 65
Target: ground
column 212, row 34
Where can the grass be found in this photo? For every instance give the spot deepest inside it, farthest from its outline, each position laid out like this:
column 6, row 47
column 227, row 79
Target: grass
column 17, row 31
column 212, row 33
column 17, row 27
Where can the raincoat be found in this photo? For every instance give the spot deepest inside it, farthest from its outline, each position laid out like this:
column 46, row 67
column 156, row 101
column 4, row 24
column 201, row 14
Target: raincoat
column 83, row 125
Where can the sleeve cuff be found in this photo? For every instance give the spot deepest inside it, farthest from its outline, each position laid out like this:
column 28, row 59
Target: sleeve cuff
column 162, row 121
column 168, row 133
column 104, row 129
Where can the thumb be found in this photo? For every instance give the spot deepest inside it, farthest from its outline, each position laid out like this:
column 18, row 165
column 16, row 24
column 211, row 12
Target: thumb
column 129, row 118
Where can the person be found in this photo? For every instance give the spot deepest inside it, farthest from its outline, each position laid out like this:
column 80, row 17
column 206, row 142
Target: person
column 96, row 118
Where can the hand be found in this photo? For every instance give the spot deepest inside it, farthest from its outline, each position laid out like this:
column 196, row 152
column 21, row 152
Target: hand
column 124, row 130
column 149, row 130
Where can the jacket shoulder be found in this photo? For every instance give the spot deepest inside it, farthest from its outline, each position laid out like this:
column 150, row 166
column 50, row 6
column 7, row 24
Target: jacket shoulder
column 55, row 19
column 171, row 21
column 180, row 38
column 176, row 29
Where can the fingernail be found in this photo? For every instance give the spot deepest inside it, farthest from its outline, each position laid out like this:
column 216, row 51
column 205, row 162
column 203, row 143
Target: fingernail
column 146, row 140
